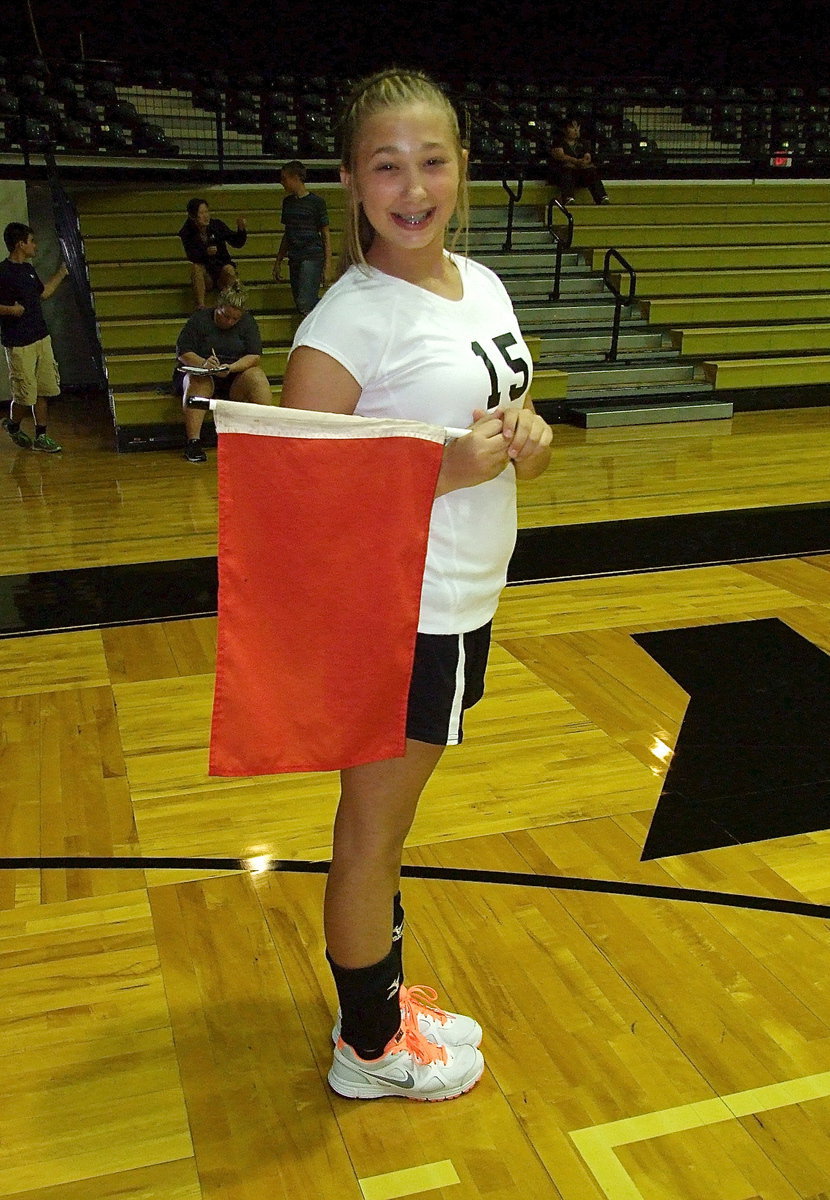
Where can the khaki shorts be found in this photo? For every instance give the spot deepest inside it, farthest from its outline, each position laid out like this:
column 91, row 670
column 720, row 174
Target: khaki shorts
column 33, row 371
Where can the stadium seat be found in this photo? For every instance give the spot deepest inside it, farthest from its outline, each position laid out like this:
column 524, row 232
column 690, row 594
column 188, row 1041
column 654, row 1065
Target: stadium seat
column 46, row 108
column 242, row 100
column 34, row 135
column 63, row 88
column 72, row 135
column 243, row 120
column 209, row 98
column 151, row 138
column 123, row 112
column 27, row 86
column 279, row 142
column 102, row 91
column 84, row 110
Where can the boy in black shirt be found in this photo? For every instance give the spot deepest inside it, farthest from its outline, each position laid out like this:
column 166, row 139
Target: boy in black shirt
column 33, row 372
column 306, row 241
column 571, row 167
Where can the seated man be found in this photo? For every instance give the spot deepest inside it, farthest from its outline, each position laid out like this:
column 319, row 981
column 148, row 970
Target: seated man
column 226, row 338
column 205, row 240
column 570, row 164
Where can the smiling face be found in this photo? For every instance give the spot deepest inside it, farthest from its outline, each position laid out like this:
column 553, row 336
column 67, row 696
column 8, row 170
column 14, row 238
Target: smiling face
column 406, row 174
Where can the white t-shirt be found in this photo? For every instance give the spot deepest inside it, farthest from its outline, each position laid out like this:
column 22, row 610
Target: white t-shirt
column 422, row 357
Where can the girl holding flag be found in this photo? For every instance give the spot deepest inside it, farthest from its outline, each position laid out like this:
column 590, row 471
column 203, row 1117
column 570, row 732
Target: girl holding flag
column 414, row 331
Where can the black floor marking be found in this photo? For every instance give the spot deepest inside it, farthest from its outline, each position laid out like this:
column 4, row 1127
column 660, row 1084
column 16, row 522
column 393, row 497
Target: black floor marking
column 566, row 883
column 752, row 760
column 137, row 593
column 669, row 543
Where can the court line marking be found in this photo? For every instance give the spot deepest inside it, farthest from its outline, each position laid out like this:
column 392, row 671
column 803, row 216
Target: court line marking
column 597, row 1144
column 395, row 1184
column 567, row 883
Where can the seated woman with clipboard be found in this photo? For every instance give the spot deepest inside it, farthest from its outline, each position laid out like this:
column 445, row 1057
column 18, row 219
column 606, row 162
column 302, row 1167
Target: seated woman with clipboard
column 219, row 353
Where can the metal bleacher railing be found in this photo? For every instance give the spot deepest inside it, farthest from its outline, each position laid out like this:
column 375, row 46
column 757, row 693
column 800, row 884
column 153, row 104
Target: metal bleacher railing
column 620, row 300
column 68, row 229
column 94, row 111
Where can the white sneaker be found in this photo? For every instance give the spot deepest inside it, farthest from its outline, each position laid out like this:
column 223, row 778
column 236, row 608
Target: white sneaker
column 439, row 1027
column 410, row 1066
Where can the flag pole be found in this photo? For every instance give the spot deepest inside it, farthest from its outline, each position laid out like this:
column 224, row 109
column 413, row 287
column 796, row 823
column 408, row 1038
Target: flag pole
column 209, row 403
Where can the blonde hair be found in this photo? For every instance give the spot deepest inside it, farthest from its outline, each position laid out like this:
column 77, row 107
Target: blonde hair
column 234, row 295
column 392, row 88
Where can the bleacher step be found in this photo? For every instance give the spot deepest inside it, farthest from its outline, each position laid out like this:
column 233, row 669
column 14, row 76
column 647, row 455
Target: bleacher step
column 571, row 285
column 598, row 311
column 605, row 416
column 616, row 376
column 572, row 343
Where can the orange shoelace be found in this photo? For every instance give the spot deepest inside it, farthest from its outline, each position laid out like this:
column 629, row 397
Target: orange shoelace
column 420, row 998
column 412, row 1039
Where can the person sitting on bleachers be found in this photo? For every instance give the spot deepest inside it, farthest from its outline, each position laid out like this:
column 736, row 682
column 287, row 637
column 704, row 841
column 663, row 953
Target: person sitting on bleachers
column 570, row 164
column 226, row 340
column 206, row 240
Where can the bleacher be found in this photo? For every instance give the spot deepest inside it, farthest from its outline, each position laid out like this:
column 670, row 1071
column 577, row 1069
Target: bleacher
column 732, row 266
column 736, row 290
column 140, row 283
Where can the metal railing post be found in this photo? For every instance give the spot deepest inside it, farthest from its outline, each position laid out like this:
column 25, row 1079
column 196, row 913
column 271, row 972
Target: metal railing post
column 561, row 244
column 621, row 301
column 515, row 197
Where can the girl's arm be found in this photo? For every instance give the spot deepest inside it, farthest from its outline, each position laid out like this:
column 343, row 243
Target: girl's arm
column 316, row 381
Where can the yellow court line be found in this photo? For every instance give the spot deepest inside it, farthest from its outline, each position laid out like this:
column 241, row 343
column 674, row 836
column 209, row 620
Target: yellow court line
column 597, row 1143
column 410, row 1181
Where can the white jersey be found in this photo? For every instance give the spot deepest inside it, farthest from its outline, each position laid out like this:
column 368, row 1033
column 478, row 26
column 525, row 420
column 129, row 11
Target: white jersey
column 422, row 357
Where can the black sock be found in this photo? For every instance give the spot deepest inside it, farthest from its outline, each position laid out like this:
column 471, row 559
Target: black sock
column 12, row 426
column 369, row 1005
column 397, row 932
column 39, row 429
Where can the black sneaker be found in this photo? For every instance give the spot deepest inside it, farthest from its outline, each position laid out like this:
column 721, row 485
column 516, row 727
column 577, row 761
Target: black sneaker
column 193, row 451
column 19, row 438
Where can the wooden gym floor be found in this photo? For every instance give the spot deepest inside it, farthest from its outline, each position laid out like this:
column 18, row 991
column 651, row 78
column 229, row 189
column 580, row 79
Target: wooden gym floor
column 650, row 963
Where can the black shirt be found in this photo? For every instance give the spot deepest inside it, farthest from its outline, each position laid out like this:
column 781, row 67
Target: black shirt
column 217, row 234
column 572, row 149
column 20, row 284
column 303, row 218
column 201, row 335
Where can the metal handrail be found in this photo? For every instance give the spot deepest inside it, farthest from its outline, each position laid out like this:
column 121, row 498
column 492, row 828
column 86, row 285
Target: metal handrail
column 562, row 244
column 68, row 229
column 463, row 104
column 514, row 199
column 621, row 300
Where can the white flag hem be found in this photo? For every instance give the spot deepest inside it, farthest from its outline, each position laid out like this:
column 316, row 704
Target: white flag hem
column 272, row 421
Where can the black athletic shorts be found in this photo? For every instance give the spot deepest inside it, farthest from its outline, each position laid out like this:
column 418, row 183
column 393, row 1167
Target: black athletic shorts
column 447, row 678
column 215, row 269
column 221, row 384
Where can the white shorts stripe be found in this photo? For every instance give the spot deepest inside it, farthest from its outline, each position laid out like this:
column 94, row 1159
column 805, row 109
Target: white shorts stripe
column 454, row 727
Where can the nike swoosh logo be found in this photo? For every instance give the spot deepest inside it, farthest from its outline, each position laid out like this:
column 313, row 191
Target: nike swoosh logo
column 406, row 1083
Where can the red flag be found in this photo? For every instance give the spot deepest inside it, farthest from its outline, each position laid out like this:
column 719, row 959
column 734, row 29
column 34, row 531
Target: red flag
column 323, row 525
